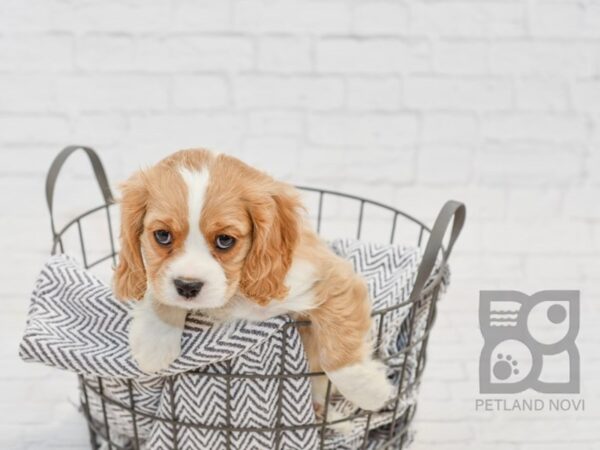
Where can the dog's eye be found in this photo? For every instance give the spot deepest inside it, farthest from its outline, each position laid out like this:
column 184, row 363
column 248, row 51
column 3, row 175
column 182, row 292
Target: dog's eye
column 163, row 237
column 224, row 241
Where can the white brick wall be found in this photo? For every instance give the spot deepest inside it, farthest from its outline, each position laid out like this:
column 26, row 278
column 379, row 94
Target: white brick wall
column 493, row 102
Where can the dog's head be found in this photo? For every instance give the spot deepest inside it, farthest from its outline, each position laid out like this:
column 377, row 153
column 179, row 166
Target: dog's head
column 196, row 228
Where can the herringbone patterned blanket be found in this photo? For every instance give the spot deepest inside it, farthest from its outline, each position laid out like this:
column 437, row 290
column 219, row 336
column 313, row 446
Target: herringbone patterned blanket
column 75, row 323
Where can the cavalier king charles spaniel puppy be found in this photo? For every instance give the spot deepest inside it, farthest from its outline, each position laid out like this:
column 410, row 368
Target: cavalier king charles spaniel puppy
column 205, row 232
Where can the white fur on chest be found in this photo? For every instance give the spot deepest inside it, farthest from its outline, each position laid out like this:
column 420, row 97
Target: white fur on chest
column 300, row 280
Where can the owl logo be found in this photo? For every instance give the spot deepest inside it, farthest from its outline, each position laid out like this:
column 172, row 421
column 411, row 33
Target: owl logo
column 529, row 342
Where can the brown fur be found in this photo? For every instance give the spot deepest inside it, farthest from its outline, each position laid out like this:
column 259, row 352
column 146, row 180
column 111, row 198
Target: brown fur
column 130, row 276
column 341, row 322
column 258, row 211
column 153, row 199
column 274, row 239
column 263, row 215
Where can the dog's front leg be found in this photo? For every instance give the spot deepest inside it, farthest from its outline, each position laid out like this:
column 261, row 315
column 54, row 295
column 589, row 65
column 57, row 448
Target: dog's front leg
column 155, row 334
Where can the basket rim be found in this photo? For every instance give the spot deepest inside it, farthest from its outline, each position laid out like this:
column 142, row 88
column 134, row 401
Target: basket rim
column 320, row 191
column 429, row 278
column 56, row 242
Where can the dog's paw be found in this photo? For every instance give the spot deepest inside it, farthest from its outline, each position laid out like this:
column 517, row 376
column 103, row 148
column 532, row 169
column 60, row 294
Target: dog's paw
column 154, row 343
column 365, row 384
column 153, row 355
column 319, row 390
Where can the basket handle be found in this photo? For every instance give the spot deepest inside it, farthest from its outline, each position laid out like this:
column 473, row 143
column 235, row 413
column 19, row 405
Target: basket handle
column 452, row 209
column 56, row 166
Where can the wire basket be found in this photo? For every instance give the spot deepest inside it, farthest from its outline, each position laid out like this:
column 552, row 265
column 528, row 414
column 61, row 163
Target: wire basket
column 361, row 218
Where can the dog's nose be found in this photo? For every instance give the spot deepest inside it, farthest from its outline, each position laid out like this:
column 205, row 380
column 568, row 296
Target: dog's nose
column 188, row 288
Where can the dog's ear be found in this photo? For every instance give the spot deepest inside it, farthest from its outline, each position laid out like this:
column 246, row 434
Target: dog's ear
column 130, row 275
column 275, row 234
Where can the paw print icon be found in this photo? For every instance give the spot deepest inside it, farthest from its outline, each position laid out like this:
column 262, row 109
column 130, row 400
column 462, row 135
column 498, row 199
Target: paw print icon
column 529, row 342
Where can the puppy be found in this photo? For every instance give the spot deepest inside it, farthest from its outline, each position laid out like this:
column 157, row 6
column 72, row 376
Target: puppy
column 206, row 232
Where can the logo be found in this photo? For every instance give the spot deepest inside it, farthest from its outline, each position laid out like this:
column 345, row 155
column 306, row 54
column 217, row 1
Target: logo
column 529, row 342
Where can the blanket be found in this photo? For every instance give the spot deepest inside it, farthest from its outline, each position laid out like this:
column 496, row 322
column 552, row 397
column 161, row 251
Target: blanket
column 211, row 390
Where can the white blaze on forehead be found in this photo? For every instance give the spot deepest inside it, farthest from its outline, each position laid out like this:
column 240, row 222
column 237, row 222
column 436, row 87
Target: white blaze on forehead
column 197, row 183
column 195, row 260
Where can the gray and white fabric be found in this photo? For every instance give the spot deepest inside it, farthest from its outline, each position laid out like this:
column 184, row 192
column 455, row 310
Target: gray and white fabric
column 75, row 323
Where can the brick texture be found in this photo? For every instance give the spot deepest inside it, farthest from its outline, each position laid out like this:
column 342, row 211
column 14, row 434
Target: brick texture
column 411, row 102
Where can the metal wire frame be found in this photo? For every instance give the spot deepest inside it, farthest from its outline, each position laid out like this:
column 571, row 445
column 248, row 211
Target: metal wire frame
column 401, row 419
column 396, row 435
